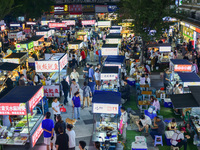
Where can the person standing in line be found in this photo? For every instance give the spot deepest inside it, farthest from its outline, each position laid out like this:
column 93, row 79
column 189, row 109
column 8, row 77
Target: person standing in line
column 91, row 72
column 56, row 107
column 59, row 123
column 74, row 75
column 123, row 123
column 48, row 128
column 72, row 137
column 97, row 75
column 86, row 94
column 62, row 141
column 82, row 145
column 65, row 88
column 21, row 80
column 74, row 88
column 76, row 104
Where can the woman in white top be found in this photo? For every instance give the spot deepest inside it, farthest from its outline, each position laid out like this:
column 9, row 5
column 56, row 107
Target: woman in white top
column 97, row 75
column 74, row 75
column 142, row 80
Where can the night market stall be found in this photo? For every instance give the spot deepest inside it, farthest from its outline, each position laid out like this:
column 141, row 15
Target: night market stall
column 115, row 61
column 110, row 78
column 114, row 38
column 105, row 107
column 115, row 29
column 22, row 117
column 53, row 65
column 17, row 58
column 110, row 49
column 75, row 45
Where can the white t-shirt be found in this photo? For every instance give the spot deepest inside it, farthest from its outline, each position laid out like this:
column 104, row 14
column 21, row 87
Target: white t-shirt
column 97, row 76
column 72, row 138
column 127, row 55
column 176, row 136
column 56, row 107
column 132, row 71
column 75, row 88
column 142, row 80
column 146, row 121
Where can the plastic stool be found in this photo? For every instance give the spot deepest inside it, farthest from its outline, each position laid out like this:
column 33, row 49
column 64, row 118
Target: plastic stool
column 140, row 98
column 158, row 142
column 174, row 148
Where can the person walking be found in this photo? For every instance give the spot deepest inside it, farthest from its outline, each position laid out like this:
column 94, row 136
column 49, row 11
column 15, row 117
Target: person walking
column 123, row 123
column 91, row 72
column 62, row 141
column 86, row 94
column 74, row 88
column 83, row 56
column 72, row 137
column 86, row 72
column 74, row 75
column 82, row 145
column 21, row 80
column 76, row 104
column 56, row 107
column 91, row 54
column 48, row 128
column 65, row 89
column 59, row 123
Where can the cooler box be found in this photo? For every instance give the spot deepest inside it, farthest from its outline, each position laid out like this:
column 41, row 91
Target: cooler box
column 168, row 136
column 168, row 103
column 139, row 146
column 131, row 81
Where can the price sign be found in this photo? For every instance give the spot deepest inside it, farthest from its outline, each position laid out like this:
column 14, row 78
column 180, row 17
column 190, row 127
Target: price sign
column 182, row 68
column 105, row 108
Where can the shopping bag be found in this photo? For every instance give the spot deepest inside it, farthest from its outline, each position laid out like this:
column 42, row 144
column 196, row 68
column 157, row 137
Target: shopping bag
column 62, row 109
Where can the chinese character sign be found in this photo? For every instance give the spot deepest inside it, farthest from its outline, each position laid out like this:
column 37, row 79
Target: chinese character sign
column 12, row 109
column 88, row 22
column 75, row 8
column 69, row 22
column 46, row 66
column 63, row 62
column 52, row 91
column 112, row 41
column 109, row 51
column 36, row 98
column 110, row 76
column 105, row 108
column 182, row 68
column 57, row 25
column 37, row 135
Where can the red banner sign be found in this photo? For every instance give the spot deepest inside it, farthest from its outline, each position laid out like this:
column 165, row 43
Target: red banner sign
column 69, row 22
column 37, row 135
column 183, row 68
column 46, row 66
column 75, row 8
column 36, row 98
column 88, row 22
column 57, row 25
column 52, row 91
column 12, row 109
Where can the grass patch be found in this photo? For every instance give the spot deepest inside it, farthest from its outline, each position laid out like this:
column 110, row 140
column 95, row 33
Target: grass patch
column 130, row 135
column 167, row 112
column 131, row 104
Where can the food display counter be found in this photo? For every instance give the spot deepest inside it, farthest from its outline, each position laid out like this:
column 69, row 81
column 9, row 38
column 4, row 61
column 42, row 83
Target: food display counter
column 110, row 78
column 110, row 49
column 82, row 36
column 27, row 45
column 22, row 116
column 54, row 65
column 105, row 107
column 75, row 45
column 114, row 38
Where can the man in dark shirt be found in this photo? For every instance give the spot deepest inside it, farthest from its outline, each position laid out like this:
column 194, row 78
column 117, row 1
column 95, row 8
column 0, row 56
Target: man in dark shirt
column 125, row 92
column 9, row 82
column 74, row 62
column 86, row 72
column 34, row 56
column 65, row 88
column 62, row 141
column 158, row 127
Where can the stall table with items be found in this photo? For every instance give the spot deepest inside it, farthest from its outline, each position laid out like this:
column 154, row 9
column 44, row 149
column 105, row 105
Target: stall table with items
column 115, row 29
column 17, row 58
column 22, row 117
column 110, row 78
column 110, row 49
column 105, row 107
column 53, row 64
column 25, row 45
column 75, row 45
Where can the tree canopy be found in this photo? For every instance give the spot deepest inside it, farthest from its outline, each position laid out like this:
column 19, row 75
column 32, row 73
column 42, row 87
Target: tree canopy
column 5, row 7
column 147, row 16
column 31, row 8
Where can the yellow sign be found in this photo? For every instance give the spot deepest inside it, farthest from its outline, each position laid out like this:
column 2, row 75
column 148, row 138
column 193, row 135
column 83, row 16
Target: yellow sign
column 192, row 27
column 182, row 23
column 65, row 8
column 127, row 24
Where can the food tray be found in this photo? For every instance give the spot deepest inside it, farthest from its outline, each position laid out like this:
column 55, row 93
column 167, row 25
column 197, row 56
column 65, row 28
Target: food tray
column 3, row 141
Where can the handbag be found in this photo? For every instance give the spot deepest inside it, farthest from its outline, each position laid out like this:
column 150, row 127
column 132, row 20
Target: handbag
column 63, row 109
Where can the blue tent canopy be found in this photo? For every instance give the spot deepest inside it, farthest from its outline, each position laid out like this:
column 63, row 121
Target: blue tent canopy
column 115, row 59
column 189, row 77
column 180, row 62
column 20, row 94
column 107, row 97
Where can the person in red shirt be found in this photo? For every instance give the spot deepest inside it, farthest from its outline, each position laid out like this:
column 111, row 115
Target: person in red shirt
column 83, row 57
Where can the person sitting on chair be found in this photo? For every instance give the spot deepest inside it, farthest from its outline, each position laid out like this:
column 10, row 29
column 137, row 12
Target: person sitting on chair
column 144, row 123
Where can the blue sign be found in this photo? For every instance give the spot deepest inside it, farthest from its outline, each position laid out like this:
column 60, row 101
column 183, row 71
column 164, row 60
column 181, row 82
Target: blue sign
column 112, row 8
